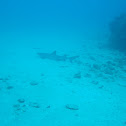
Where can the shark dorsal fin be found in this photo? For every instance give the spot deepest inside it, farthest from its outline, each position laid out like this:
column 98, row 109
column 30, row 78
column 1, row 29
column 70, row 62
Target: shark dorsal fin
column 53, row 53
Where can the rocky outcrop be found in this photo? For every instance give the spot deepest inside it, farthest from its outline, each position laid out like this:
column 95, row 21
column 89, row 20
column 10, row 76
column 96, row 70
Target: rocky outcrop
column 118, row 33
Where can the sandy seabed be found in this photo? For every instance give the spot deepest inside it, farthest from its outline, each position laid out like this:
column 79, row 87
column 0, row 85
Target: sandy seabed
column 91, row 91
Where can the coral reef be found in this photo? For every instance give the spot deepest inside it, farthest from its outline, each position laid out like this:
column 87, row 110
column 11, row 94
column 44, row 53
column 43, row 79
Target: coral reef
column 118, row 33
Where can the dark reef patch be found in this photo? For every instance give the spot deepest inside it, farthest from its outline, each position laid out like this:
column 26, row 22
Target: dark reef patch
column 117, row 39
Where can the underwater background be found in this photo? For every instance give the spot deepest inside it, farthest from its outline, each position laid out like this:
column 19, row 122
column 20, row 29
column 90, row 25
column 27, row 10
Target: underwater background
column 55, row 66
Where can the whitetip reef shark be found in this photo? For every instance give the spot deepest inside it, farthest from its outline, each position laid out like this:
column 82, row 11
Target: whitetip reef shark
column 55, row 57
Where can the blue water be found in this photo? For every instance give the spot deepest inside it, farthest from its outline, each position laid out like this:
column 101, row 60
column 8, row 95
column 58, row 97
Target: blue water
column 76, row 81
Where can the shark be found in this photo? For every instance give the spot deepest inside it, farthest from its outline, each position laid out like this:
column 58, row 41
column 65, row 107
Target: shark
column 54, row 56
